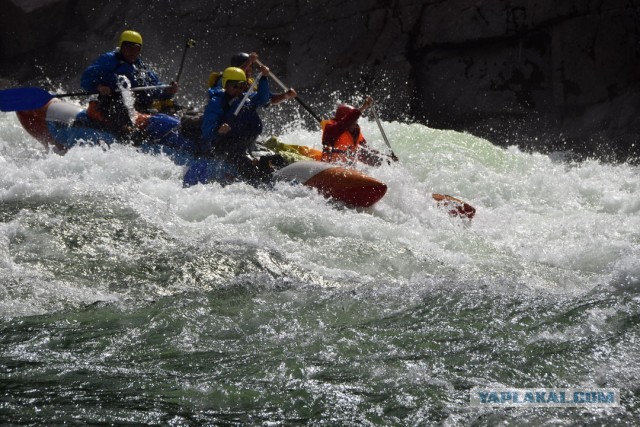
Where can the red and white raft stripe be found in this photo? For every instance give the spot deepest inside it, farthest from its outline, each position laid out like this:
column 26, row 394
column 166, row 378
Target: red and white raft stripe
column 35, row 121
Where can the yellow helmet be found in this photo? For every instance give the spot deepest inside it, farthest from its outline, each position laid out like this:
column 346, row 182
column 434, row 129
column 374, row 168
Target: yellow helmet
column 131, row 37
column 233, row 74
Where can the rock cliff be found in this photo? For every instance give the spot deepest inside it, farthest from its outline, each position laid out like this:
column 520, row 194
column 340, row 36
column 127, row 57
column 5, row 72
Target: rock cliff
column 540, row 73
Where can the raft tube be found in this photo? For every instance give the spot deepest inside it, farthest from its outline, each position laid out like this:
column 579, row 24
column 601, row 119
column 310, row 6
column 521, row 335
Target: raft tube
column 346, row 185
column 62, row 125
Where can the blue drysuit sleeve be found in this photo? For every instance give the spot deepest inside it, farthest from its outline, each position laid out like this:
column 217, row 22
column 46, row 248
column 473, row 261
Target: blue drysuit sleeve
column 263, row 95
column 213, row 112
column 100, row 72
column 105, row 71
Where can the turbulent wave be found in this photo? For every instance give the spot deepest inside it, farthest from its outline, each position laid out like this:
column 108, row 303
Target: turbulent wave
column 375, row 316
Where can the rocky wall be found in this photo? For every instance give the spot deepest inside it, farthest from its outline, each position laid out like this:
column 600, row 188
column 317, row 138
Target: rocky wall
column 556, row 74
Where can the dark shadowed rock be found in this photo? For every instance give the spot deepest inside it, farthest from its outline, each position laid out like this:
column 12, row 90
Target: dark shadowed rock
column 545, row 74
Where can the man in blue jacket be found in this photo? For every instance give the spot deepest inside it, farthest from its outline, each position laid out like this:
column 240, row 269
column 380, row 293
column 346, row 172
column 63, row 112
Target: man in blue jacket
column 222, row 130
column 102, row 77
column 233, row 136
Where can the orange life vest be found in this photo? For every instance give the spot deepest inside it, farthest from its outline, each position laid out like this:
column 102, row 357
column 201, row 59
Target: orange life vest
column 344, row 149
column 94, row 112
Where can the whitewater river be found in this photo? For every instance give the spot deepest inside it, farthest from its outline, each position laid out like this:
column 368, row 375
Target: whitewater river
column 127, row 299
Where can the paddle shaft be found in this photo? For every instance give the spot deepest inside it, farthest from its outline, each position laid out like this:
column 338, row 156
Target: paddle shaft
column 384, row 135
column 190, row 43
column 297, row 98
column 139, row 89
column 135, row 89
column 32, row 98
column 246, row 95
column 457, row 206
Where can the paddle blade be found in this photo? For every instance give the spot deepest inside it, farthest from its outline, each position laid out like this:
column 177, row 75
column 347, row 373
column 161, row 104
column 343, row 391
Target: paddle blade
column 455, row 206
column 23, row 98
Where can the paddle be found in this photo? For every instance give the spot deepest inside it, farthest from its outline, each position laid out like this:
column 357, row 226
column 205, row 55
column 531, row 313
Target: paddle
column 32, row 98
column 297, row 98
column 247, row 93
column 384, row 135
column 190, row 43
column 456, row 206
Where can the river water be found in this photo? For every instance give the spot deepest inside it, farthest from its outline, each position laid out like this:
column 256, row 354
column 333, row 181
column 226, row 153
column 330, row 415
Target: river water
column 127, row 299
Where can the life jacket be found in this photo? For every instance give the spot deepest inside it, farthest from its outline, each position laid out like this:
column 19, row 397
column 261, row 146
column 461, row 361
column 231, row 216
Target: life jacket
column 109, row 113
column 245, row 129
column 344, row 149
column 164, row 106
column 110, row 65
column 214, row 77
column 139, row 74
column 95, row 113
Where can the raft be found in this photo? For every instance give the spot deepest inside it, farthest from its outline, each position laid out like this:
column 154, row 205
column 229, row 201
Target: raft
column 62, row 125
column 453, row 206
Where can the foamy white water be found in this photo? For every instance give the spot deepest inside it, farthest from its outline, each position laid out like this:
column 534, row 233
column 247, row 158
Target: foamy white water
column 399, row 301
column 541, row 224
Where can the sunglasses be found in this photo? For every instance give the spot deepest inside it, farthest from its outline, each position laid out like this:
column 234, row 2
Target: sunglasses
column 238, row 84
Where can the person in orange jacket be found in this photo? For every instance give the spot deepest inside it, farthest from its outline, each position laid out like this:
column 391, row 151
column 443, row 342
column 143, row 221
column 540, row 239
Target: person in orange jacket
column 342, row 139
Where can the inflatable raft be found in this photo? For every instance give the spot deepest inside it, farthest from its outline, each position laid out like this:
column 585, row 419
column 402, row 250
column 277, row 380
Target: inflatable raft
column 63, row 125
column 453, row 205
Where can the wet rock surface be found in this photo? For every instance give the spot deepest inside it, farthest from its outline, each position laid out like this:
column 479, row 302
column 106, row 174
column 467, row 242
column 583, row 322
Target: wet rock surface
column 544, row 74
